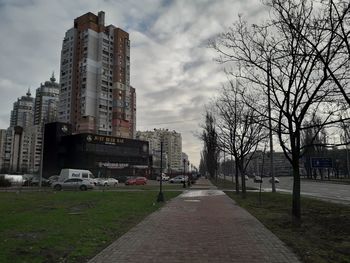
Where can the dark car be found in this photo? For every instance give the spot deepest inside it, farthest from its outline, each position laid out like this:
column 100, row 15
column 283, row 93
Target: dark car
column 36, row 181
column 257, row 179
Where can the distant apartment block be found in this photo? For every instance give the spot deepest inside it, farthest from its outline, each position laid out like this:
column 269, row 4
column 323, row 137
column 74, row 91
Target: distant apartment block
column 260, row 164
column 23, row 111
column 46, row 102
column 21, row 149
column 96, row 96
column 172, row 146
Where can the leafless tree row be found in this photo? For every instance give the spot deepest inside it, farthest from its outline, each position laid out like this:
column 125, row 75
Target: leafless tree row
column 298, row 62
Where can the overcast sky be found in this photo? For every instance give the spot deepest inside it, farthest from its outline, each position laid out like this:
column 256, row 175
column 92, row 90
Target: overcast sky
column 172, row 69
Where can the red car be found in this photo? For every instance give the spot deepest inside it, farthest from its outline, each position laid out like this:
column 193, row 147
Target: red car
column 136, row 181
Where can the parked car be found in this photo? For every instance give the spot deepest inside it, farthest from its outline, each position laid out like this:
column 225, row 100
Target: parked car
column 107, row 181
column 178, row 179
column 53, row 178
column 112, row 182
column 101, row 181
column 164, row 177
column 136, row 181
column 36, row 181
column 74, row 184
column 122, row 178
column 257, row 179
column 276, row 180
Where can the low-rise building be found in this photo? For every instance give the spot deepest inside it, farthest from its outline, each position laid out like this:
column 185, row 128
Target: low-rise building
column 104, row 156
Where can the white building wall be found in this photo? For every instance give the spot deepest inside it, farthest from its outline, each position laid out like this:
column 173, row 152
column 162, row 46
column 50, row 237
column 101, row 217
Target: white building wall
column 66, row 75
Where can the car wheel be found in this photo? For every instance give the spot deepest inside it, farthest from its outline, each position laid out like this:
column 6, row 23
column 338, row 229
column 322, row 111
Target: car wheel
column 83, row 188
column 105, row 184
column 58, row 187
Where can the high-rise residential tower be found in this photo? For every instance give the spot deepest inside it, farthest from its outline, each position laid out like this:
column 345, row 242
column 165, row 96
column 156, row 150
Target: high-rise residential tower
column 46, row 102
column 23, row 111
column 96, row 95
column 20, row 144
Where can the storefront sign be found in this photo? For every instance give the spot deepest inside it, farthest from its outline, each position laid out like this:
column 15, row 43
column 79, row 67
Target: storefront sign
column 113, row 165
column 103, row 139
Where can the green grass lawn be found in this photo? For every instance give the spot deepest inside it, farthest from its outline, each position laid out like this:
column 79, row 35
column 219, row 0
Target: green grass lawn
column 165, row 186
column 324, row 235
column 226, row 184
column 68, row 226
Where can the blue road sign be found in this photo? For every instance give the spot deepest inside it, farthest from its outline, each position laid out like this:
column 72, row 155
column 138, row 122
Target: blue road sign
column 321, row 162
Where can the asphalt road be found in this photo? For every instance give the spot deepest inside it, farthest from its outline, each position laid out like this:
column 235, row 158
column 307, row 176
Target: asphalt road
column 339, row 193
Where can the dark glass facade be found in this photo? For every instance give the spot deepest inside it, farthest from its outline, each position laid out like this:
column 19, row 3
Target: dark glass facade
column 104, row 156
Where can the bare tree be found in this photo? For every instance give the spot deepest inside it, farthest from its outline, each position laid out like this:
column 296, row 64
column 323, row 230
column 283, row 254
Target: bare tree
column 314, row 143
column 277, row 60
column 211, row 148
column 240, row 129
column 202, row 166
column 328, row 35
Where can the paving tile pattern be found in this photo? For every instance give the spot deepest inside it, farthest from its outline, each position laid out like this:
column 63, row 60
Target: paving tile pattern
column 198, row 226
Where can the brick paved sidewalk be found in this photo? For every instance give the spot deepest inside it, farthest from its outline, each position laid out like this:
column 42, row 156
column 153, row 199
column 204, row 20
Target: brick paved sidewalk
column 198, row 226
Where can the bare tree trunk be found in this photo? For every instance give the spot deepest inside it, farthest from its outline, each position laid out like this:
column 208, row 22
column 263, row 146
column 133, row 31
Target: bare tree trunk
column 243, row 179
column 236, row 177
column 296, row 208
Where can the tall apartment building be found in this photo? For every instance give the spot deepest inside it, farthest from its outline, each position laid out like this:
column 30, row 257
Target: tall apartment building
column 17, row 142
column 21, row 150
column 96, row 95
column 45, row 111
column 2, row 147
column 172, row 146
column 46, row 102
column 23, row 111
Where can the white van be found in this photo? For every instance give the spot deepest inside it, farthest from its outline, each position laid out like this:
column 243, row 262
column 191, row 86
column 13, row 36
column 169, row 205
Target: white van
column 14, row 178
column 76, row 173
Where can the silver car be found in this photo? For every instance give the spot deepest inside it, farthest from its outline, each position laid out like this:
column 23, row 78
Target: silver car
column 107, row 181
column 178, row 179
column 73, row 184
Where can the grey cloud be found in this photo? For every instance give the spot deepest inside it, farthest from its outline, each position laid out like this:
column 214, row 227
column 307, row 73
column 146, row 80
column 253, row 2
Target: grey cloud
column 172, row 69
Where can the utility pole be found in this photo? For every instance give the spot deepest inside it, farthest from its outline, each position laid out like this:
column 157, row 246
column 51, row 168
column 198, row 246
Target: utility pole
column 270, row 127
column 347, row 148
column 160, row 195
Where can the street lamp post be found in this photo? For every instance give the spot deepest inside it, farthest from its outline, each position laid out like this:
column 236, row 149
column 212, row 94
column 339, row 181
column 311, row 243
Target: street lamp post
column 184, row 182
column 188, row 171
column 160, row 195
